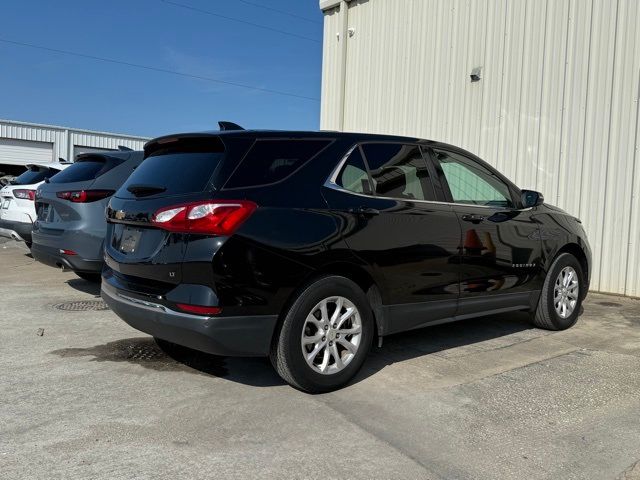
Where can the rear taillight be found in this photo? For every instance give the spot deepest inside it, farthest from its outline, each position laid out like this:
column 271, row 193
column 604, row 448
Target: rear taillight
column 85, row 196
column 25, row 194
column 219, row 217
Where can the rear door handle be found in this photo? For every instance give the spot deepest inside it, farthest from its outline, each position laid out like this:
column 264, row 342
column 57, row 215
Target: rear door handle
column 473, row 218
column 366, row 211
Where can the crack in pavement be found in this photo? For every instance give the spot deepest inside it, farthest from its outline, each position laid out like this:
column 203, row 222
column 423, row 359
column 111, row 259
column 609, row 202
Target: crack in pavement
column 631, row 473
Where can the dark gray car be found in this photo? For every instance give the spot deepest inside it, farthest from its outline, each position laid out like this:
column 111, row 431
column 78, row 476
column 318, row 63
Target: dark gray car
column 70, row 227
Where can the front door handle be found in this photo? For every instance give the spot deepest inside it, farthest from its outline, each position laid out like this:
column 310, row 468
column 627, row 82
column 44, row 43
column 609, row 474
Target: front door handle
column 473, row 218
column 365, row 211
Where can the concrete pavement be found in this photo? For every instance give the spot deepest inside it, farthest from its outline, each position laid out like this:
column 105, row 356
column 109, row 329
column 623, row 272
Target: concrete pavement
column 489, row 398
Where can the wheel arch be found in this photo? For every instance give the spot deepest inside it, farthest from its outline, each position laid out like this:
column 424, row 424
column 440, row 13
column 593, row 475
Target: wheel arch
column 353, row 272
column 577, row 251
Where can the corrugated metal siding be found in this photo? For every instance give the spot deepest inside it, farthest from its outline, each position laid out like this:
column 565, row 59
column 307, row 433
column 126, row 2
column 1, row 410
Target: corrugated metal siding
column 18, row 131
column 64, row 140
column 103, row 141
column 556, row 110
column 23, row 152
column 331, row 65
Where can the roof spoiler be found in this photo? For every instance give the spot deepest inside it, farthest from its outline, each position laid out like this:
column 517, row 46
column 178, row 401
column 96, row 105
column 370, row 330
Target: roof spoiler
column 225, row 126
column 122, row 148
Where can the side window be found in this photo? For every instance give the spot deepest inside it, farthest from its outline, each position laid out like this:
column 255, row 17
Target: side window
column 354, row 176
column 471, row 183
column 399, row 171
column 270, row 161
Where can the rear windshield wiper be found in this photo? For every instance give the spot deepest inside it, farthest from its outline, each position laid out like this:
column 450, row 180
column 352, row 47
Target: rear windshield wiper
column 145, row 190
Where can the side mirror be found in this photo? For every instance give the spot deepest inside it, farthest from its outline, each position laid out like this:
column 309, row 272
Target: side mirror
column 531, row 198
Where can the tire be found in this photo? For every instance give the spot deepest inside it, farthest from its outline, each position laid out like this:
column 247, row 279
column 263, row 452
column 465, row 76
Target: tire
column 90, row 277
column 546, row 315
column 287, row 349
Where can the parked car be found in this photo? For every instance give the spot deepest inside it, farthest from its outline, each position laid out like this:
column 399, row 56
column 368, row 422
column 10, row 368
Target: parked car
column 70, row 228
column 308, row 246
column 17, row 212
column 6, row 179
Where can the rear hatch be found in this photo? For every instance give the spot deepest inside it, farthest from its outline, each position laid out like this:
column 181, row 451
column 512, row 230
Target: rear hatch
column 59, row 200
column 176, row 171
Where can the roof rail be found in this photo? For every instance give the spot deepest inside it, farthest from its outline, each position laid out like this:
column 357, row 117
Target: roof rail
column 122, row 148
column 224, row 126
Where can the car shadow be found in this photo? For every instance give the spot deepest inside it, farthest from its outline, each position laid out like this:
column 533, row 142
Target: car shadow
column 451, row 340
column 84, row 286
column 165, row 357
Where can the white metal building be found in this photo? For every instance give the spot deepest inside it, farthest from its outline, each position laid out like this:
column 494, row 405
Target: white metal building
column 22, row 143
column 556, row 108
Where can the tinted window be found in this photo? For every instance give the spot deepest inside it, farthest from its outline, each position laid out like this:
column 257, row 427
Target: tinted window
column 34, row 175
column 80, row 171
column 353, row 176
column 174, row 173
column 469, row 182
column 269, row 161
column 399, row 171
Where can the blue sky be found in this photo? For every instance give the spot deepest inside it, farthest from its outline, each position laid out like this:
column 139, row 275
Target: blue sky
column 46, row 87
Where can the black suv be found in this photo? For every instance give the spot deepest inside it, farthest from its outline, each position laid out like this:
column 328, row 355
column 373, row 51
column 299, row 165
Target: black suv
column 307, row 246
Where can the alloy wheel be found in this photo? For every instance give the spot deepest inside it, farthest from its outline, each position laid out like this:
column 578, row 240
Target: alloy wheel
column 331, row 335
column 565, row 292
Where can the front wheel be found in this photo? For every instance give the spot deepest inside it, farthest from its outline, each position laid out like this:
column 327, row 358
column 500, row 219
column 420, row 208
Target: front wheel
column 324, row 337
column 561, row 297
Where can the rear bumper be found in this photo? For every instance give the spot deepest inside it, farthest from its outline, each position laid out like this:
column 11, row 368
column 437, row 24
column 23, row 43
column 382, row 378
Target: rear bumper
column 51, row 256
column 228, row 336
column 18, row 230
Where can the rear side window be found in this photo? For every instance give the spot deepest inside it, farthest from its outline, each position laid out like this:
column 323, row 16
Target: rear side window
column 34, row 175
column 270, row 161
column 354, row 176
column 173, row 173
column 399, row 171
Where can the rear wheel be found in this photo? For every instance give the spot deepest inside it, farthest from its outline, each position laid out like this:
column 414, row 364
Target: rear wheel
column 89, row 277
column 324, row 337
column 561, row 298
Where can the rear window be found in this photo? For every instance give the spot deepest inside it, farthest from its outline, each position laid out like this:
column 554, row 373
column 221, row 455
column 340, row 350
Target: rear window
column 81, row 171
column 174, row 173
column 34, row 175
column 270, row 161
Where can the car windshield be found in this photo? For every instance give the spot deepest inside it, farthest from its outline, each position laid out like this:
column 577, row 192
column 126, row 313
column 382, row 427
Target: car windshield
column 34, row 175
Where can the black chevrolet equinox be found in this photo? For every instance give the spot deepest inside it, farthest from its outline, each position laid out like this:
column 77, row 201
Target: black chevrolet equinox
column 308, row 246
